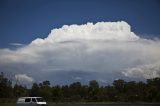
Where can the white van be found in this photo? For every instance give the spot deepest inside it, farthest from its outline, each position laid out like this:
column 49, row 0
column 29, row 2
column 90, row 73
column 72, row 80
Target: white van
column 31, row 101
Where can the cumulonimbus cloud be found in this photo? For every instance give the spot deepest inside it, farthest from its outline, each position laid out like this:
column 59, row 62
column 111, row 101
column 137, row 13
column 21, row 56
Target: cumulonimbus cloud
column 104, row 47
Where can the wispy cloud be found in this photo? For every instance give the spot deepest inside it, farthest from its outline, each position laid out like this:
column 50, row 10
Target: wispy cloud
column 16, row 44
column 23, row 78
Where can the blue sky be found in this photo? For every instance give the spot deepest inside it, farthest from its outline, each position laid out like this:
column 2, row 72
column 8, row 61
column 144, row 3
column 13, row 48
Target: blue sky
column 22, row 21
column 96, row 42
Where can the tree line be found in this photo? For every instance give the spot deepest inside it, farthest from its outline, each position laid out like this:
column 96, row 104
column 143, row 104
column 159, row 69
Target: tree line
column 118, row 91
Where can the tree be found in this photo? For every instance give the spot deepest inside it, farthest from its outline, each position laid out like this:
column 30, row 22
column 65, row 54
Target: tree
column 65, row 91
column 120, row 91
column 45, row 90
column 93, row 90
column 111, row 93
column 46, row 83
column 5, row 87
column 75, row 91
column 19, row 91
column 57, row 93
column 119, row 85
column 35, row 90
column 131, row 91
column 153, row 93
column 84, row 92
column 141, row 86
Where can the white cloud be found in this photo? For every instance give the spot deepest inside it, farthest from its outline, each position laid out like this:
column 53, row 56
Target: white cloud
column 119, row 31
column 144, row 71
column 23, row 78
column 16, row 44
column 77, row 78
column 104, row 47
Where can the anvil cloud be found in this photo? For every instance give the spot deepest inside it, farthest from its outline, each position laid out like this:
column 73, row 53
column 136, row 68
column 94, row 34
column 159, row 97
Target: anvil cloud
column 101, row 51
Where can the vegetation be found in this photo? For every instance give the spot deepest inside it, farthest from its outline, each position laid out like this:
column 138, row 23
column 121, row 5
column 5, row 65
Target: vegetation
column 119, row 91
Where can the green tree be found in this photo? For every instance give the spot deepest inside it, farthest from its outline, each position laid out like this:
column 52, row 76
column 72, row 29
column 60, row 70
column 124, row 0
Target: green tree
column 119, row 86
column 57, row 94
column 75, row 91
column 84, row 92
column 5, row 87
column 141, row 86
column 19, row 91
column 111, row 93
column 65, row 91
column 153, row 90
column 93, row 90
column 46, row 83
column 45, row 90
column 131, row 91
column 35, row 90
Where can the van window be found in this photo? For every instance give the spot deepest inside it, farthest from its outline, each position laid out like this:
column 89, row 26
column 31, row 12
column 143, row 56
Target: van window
column 40, row 99
column 27, row 99
column 21, row 100
column 33, row 100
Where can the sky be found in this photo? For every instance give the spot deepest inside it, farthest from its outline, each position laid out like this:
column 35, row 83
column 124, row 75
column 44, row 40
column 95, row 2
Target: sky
column 80, row 40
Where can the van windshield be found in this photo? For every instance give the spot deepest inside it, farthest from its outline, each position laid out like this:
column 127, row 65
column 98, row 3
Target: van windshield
column 40, row 99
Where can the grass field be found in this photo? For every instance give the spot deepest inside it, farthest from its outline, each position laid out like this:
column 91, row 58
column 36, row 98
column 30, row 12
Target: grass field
column 92, row 104
column 7, row 104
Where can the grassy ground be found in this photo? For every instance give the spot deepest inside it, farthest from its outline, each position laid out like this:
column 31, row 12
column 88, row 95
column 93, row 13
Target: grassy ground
column 91, row 104
column 104, row 104
column 7, row 104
